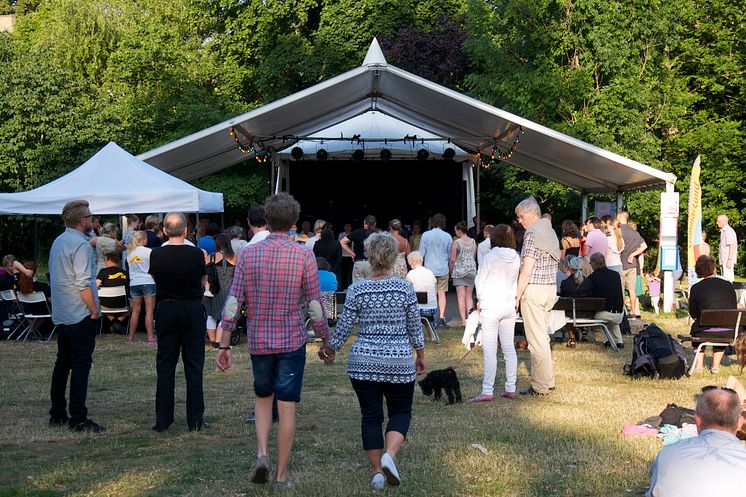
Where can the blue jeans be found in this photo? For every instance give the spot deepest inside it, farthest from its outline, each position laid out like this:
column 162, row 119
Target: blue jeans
column 279, row 374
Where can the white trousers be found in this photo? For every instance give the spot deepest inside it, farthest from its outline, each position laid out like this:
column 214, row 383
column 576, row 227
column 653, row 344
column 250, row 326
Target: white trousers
column 729, row 274
column 498, row 325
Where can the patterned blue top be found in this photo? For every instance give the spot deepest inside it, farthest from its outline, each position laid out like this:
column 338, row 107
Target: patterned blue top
column 388, row 328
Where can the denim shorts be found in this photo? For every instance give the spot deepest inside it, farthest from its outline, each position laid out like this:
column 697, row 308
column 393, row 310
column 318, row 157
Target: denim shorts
column 142, row 290
column 279, row 374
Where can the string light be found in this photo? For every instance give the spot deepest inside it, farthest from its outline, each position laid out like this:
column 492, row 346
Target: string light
column 260, row 156
column 497, row 154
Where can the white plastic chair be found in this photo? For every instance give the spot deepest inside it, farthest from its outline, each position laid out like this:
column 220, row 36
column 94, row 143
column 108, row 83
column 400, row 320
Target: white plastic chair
column 113, row 292
column 35, row 310
column 14, row 311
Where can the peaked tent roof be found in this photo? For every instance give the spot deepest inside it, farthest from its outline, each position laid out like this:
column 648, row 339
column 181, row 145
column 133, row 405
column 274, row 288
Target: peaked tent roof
column 373, row 127
column 114, row 182
column 376, row 85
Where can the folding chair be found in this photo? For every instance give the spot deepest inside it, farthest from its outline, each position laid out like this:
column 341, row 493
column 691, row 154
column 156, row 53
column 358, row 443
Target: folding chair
column 574, row 305
column 14, row 311
column 330, row 301
column 113, row 292
column 35, row 311
column 716, row 320
column 427, row 316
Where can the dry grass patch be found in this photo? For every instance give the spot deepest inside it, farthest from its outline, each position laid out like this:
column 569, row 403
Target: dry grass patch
column 566, row 444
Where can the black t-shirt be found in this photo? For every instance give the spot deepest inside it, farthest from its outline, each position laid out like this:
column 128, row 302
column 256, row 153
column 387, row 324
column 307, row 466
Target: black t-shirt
column 177, row 271
column 111, row 277
column 153, row 240
column 568, row 288
column 710, row 293
column 7, row 280
column 330, row 250
column 358, row 239
column 606, row 284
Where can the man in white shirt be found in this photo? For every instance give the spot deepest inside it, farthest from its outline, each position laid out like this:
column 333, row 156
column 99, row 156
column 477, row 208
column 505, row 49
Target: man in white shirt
column 257, row 224
column 728, row 248
column 422, row 279
column 712, row 463
column 486, row 244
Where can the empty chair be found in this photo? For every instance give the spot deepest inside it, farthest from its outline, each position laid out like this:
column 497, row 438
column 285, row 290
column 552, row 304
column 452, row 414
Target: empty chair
column 35, row 311
column 15, row 313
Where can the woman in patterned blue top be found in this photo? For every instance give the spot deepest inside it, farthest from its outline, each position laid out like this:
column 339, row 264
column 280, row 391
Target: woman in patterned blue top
column 381, row 364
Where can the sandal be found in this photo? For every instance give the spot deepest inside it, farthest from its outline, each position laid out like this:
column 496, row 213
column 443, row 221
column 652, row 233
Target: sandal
column 152, row 341
column 481, row 398
column 128, row 339
column 571, row 343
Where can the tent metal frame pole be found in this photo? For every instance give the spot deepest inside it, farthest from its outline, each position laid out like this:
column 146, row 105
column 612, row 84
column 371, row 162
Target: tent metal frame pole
column 478, row 197
column 36, row 239
column 583, row 207
column 196, row 229
column 619, row 201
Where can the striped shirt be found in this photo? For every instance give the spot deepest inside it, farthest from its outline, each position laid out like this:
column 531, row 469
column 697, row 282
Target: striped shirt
column 388, row 329
column 274, row 279
column 545, row 268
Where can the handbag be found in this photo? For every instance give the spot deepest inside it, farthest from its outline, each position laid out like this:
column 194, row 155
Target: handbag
column 212, row 275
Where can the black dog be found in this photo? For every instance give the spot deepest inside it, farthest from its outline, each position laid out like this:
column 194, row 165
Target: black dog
column 442, row 379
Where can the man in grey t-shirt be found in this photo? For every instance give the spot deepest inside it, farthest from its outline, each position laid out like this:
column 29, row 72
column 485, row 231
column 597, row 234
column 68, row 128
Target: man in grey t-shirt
column 634, row 245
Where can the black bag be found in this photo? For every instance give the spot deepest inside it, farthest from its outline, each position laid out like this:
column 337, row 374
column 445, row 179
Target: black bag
column 676, row 415
column 212, row 276
column 656, row 354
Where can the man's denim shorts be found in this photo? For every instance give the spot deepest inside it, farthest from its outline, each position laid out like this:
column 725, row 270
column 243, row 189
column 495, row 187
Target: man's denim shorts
column 279, row 374
column 142, row 291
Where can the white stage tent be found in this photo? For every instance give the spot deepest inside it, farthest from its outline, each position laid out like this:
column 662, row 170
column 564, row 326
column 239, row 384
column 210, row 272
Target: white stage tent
column 377, row 86
column 114, row 182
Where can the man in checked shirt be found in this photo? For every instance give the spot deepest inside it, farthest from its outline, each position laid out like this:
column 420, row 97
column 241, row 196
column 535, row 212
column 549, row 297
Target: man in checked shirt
column 273, row 279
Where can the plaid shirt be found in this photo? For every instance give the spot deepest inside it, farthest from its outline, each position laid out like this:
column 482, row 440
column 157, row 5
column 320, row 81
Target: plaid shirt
column 275, row 278
column 545, row 268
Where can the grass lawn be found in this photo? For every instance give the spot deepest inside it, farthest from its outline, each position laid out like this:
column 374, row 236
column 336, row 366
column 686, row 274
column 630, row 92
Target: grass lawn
column 566, row 444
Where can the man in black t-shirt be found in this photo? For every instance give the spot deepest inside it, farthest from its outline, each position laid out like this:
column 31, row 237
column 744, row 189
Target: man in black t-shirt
column 179, row 273
column 111, row 275
column 360, row 268
column 605, row 283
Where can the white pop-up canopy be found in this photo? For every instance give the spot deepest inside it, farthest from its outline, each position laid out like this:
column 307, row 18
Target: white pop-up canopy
column 114, row 182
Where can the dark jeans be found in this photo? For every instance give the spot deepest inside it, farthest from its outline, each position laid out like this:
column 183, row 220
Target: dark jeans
column 180, row 327
column 279, row 374
column 75, row 345
column 370, row 394
column 345, row 273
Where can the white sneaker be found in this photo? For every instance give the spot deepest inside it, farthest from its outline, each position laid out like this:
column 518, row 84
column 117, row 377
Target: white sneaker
column 389, row 469
column 378, row 481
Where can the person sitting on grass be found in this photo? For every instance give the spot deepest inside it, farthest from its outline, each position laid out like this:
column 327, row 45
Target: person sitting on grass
column 712, row 463
column 111, row 275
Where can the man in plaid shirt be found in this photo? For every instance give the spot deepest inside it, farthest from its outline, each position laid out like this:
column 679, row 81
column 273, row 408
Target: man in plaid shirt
column 274, row 279
column 537, row 291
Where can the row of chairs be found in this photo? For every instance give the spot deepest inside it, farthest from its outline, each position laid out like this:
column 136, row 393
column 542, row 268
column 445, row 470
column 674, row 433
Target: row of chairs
column 29, row 311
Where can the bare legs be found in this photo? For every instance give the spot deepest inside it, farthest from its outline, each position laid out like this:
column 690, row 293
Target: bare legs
column 717, row 357
column 394, row 439
column 285, row 433
column 135, row 316
column 442, row 304
column 149, row 314
column 465, row 301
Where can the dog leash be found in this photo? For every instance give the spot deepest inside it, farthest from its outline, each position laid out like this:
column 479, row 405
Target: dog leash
column 464, row 356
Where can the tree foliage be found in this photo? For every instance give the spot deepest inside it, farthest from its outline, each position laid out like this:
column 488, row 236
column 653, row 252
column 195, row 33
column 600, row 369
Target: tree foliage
column 657, row 81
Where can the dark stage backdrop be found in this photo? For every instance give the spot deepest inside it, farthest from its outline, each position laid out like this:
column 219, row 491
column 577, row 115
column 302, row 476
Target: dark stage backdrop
column 345, row 191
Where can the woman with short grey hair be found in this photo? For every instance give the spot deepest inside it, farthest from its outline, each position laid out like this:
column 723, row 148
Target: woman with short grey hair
column 106, row 243
column 381, row 364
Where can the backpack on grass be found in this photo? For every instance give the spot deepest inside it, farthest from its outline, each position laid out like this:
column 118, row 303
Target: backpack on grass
column 656, row 354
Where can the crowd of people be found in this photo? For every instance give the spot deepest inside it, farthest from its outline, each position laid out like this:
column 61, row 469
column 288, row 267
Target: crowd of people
column 190, row 283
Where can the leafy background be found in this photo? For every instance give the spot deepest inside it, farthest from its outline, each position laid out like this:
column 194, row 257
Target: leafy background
column 657, row 81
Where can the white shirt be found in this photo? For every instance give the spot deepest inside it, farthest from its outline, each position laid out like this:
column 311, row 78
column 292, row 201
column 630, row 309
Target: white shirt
column 482, row 249
column 423, row 280
column 186, row 242
column 139, row 264
column 258, row 237
column 312, row 241
column 497, row 279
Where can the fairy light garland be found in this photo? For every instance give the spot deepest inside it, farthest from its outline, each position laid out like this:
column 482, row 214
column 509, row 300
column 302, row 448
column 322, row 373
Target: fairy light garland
column 260, row 156
column 497, row 154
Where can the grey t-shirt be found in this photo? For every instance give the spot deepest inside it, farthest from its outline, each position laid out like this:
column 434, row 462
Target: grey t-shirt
column 632, row 241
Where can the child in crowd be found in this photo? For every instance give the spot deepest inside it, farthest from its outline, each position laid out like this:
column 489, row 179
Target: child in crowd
column 112, row 275
column 327, row 279
column 654, row 290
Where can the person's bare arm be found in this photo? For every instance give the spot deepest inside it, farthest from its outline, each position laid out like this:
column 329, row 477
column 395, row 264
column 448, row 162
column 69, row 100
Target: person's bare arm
column 639, row 250
column 732, row 250
column 452, row 260
column 345, row 243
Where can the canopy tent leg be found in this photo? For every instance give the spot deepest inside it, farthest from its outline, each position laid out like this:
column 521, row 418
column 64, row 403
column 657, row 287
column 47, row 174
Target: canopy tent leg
column 619, row 201
column 196, row 229
column 471, row 201
column 36, row 240
column 478, row 195
column 583, row 207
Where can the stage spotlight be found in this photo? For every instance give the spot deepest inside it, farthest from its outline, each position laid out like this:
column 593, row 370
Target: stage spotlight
column 449, row 153
column 297, row 153
column 358, row 155
column 385, row 154
column 322, row 154
column 422, row 154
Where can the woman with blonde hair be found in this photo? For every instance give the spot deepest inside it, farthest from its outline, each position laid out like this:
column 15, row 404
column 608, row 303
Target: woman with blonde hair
column 400, row 264
column 142, row 285
column 381, row 364
column 616, row 245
